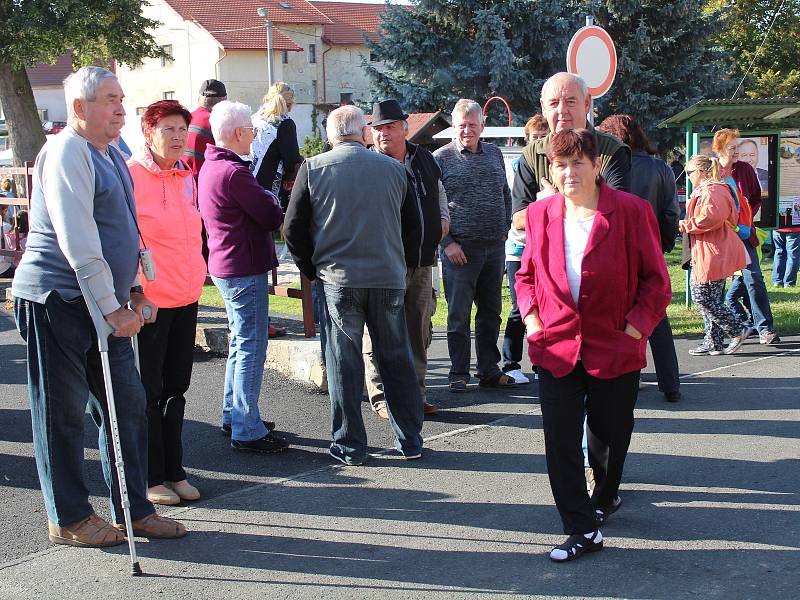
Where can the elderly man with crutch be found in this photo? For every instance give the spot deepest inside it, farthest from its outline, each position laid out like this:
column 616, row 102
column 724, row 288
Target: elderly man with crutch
column 83, row 256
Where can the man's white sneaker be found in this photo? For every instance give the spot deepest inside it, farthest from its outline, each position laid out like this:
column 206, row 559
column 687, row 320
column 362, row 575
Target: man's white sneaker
column 518, row 376
column 770, row 337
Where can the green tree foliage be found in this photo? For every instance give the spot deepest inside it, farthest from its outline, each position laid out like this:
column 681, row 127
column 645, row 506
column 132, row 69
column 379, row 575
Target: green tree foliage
column 776, row 69
column 665, row 60
column 442, row 50
column 39, row 31
column 312, row 145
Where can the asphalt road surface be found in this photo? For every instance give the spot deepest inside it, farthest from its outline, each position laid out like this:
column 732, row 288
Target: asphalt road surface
column 711, row 506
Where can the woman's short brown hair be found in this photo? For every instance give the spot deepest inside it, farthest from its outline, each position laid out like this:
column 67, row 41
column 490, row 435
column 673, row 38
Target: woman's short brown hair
column 536, row 124
column 572, row 142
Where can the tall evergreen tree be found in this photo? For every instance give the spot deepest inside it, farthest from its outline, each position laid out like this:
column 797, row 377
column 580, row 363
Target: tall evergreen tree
column 39, row 31
column 665, row 60
column 438, row 50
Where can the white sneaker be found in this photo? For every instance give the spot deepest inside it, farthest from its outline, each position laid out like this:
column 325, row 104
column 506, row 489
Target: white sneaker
column 518, row 376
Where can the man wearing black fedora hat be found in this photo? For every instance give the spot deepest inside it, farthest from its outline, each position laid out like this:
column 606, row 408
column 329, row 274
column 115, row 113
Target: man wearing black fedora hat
column 431, row 220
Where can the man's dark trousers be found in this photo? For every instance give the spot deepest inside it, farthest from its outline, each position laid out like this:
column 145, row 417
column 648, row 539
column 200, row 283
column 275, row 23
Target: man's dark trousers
column 665, row 360
column 348, row 310
column 64, row 373
column 479, row 281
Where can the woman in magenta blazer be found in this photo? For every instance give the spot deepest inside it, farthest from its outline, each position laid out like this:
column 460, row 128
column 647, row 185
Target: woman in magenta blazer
column 591, row 287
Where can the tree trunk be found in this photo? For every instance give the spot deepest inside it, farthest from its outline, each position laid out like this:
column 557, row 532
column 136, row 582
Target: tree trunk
column 24, row 127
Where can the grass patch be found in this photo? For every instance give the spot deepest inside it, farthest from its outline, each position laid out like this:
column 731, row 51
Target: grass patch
column 685, row 321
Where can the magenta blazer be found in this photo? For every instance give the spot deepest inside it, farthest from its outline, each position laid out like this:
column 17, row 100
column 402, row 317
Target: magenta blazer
column 624, row 279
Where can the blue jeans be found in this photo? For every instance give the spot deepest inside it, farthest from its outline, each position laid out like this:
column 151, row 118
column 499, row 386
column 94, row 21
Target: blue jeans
column 749, row 287
column 64, row 373
column 382, row 311
column 479, row 281
column 515, row 328
column 247, row 306
column 787, row 258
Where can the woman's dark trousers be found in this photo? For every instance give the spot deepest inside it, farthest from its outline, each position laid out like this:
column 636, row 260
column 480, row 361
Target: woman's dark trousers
column 166, row 350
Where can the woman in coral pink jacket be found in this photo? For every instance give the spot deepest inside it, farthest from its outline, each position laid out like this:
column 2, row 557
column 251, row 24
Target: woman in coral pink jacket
column 717, row 253
column 591, row 287
column 166, row 207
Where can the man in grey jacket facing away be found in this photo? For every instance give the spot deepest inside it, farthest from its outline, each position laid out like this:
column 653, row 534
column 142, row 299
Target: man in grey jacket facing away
column 349, row 235
column 83, row 223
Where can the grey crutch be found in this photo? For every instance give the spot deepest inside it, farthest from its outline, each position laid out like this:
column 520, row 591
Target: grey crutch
column 85, row 274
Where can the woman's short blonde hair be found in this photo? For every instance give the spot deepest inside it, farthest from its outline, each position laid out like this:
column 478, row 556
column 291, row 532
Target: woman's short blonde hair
column 707, row 164
column 277, row 102
column 722, row 138
column 5, row 184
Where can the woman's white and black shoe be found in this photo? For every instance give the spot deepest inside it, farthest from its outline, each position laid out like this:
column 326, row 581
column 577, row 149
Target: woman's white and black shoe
column 576, row 545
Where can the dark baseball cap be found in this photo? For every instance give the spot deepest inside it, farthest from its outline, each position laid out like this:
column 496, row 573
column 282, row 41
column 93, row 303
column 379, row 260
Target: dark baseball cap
column 212, row 88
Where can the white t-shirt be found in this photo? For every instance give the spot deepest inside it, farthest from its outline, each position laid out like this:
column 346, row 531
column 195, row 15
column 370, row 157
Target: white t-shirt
column 576, row 235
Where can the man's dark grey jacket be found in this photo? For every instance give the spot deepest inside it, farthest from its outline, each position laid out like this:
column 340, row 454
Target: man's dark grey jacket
column 343, row 222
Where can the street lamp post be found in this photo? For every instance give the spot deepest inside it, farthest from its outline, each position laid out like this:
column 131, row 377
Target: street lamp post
column 264, row 13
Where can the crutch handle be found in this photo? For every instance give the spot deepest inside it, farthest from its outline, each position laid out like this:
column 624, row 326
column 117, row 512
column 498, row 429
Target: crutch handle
column 85, row 274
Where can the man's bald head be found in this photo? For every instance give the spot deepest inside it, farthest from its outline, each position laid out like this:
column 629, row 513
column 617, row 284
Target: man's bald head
column 565, row 102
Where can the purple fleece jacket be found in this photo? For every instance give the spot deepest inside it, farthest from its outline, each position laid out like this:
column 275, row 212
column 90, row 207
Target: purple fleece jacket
column 239, row 216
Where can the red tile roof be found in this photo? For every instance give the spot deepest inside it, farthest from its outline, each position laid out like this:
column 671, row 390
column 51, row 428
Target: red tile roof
column 44, row 75
column 351, row 21
column 417, row 121
column 236, row 25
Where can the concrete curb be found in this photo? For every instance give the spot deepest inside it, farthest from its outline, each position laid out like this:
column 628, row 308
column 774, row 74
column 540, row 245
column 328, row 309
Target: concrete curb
column 294, row 356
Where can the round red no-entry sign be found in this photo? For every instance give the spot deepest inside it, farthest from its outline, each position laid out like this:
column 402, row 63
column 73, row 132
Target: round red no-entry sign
column 592, row 57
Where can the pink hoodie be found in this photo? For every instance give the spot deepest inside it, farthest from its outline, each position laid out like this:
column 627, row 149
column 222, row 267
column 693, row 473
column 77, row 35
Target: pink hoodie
column 170, row 225
column 711, row 217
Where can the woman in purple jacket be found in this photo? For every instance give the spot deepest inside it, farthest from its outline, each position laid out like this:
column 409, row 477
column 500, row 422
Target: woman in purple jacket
column 240, row 217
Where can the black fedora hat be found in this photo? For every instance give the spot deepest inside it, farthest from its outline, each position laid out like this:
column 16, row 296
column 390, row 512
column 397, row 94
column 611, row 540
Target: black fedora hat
column 387, row 111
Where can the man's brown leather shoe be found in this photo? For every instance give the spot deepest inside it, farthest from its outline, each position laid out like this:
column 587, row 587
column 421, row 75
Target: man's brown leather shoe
column 428, row 408
column 156, row 527
column 91, row 532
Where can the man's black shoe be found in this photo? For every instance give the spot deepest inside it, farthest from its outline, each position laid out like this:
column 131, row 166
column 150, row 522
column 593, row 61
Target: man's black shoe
column 226, row 427
column 269, row 444
column 672, row 396
column 603, row 512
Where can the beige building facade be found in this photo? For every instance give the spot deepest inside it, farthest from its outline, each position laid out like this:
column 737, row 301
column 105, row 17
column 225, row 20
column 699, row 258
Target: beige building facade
column 322, row 61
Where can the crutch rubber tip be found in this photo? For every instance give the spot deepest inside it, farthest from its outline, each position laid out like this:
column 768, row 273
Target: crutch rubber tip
column 136, row 570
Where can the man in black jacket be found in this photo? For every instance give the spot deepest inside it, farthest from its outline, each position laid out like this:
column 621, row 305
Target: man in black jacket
column 424, row 224
column 653, row 180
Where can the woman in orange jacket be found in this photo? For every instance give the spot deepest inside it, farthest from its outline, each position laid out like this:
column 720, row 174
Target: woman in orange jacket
column 717, row 253
column 169, row 222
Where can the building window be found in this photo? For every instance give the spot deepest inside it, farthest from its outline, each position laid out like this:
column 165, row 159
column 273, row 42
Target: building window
column 312, row 54
column 314, row 89
column 168, row 96
column 345, row 98
column 285, row 57
column 373, row 57
column 167, row 60
column 140, row 110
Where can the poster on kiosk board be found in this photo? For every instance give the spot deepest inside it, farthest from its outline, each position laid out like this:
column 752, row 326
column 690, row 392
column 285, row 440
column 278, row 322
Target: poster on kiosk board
column 789, row 195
